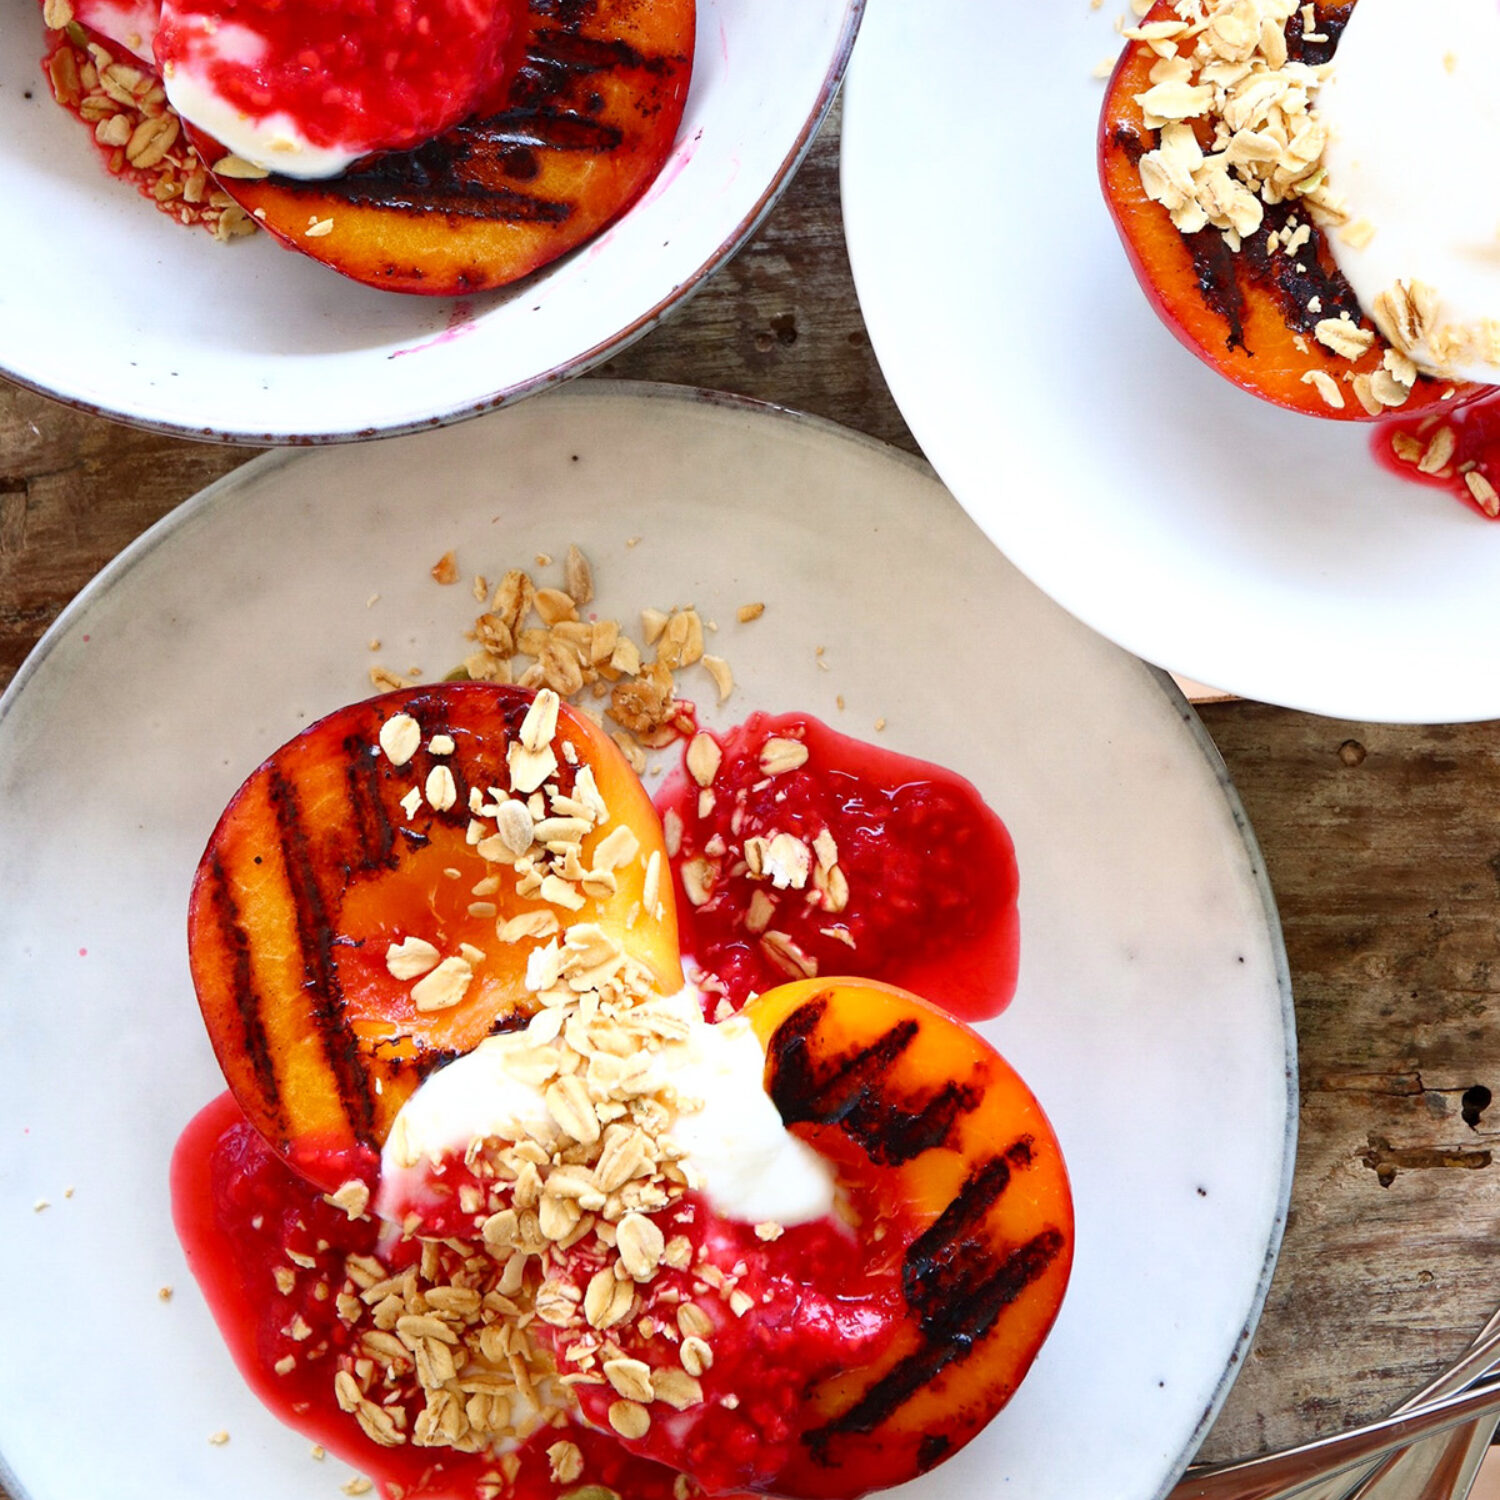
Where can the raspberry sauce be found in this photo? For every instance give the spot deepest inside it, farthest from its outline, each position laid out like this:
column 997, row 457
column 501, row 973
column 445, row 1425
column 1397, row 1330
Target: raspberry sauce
column 250, row 1227
column 783, row 1316
column 346, row 75
column 1463, row 440
column 930, row 871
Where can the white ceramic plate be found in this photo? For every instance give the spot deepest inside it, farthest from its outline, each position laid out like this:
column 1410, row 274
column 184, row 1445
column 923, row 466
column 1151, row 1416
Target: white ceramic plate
column 111, row 307
column 1253, row 549
column 1153, row 1016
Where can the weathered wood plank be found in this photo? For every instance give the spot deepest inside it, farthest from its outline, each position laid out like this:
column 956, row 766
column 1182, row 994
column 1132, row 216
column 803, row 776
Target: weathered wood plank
column 1381, row 844
column 74, row 491
column 781, row 322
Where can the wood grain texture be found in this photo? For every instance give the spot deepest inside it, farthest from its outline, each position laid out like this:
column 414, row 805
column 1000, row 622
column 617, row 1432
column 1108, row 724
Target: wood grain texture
column 1383, row 846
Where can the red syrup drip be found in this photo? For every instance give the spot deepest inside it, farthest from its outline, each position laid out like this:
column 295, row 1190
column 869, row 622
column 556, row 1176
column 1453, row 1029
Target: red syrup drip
column 238, row 1210
column 1476, row 429
column 931, row 870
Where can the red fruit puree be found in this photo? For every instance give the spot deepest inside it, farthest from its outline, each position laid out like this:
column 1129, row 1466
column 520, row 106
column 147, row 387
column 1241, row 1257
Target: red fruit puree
column 930, row 871
column 1474, row 449
column 930, row 904
column 817, row 1301
column 350, row 74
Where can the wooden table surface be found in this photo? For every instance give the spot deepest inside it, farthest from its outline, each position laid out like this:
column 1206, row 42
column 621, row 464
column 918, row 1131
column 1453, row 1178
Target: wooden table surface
column 1383, row 846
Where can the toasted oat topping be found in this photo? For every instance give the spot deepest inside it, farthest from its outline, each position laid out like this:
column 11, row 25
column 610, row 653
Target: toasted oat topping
column 1239, row 130
column 353, row 1197
column 142, row 136
column 567, row 1462
column 1408, row 315
column 779, row 755
column 1484, row 493
column 445, row 986
column 1345, row 337
column 1327, row 387
column 1223, row 67
column 721, row 672
column 451, row 1333
column 400, row 737
column 589, row 658
column 703, row 759
column 440, row 789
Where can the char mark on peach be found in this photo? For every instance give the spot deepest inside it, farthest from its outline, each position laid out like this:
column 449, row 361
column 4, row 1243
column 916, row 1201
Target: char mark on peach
column 376, row 831
column 989, row 1283
column 853, row 1092
column 247, row 1001
column 316, row 937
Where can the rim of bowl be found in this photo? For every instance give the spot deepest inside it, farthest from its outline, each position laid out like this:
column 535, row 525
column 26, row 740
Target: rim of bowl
column 578, row 365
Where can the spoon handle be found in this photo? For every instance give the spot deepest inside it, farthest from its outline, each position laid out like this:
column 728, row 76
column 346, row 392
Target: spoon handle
column 1376, row 1477
column 1276, row 1475
column 1442, row 1467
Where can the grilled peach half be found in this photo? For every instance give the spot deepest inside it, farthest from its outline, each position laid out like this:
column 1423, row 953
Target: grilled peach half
column 585, row 123
column 890, row 1087
column 1246, row 314
column 356, row 922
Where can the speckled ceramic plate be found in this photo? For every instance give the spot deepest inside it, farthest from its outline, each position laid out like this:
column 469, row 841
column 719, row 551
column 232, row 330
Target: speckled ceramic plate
column 1152, row 1018
column 1263, row 552
column 112, row 307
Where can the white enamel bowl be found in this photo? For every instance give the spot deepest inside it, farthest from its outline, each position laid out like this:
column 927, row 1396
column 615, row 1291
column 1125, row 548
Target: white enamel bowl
column 1263, row 552
column 111, row 307
column 1152, row 1016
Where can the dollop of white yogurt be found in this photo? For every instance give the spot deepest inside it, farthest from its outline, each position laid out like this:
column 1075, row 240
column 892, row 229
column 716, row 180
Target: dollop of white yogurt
column 1413, row 113
column 737, row 1151
column 129, row 23
column 273, row 141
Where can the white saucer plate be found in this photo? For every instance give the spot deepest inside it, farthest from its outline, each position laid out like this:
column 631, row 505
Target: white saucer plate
column 1263, row 552
column 112, row 307
column 1153, row 1016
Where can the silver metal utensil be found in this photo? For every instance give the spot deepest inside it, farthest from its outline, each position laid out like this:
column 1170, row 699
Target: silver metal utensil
column 1289, row 1472
column 1442, row 1467
column 1396, row 1475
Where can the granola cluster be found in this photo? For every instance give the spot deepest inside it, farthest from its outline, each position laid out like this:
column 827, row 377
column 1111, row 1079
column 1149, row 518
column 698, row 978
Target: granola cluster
column 1224, row 68
column 141, row 135
column 538, row 637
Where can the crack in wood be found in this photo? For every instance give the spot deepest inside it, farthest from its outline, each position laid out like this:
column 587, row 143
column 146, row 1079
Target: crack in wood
column 1403, row 1085
column 1386, row 1160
